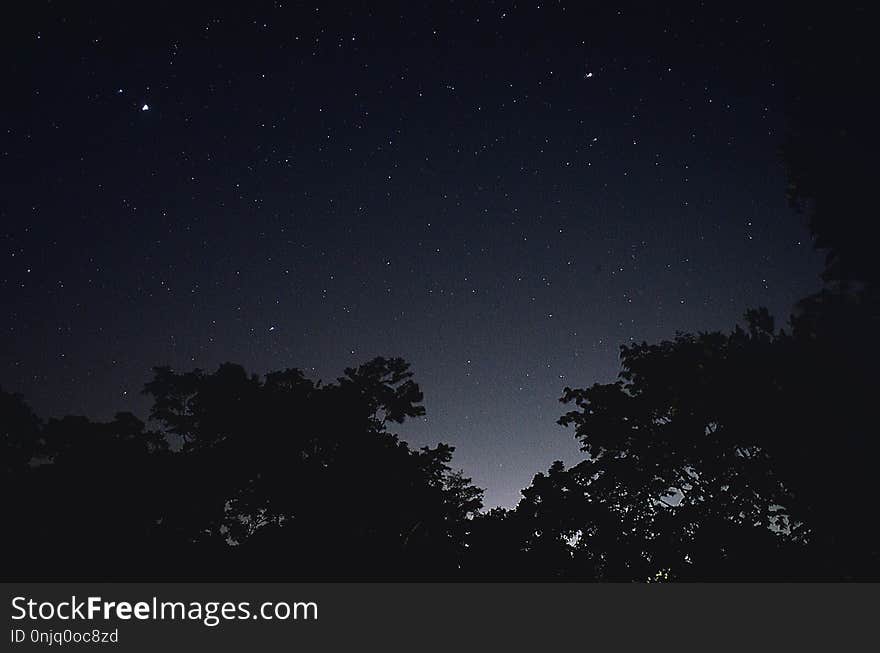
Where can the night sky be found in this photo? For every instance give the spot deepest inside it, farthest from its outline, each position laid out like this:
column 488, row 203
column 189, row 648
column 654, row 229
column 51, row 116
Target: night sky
column 500, row 193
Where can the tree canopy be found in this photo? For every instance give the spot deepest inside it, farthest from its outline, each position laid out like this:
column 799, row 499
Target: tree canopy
column 714, row 456
column 243, row 476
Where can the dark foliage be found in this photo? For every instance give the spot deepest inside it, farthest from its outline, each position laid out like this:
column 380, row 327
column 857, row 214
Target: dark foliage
column 715, row 457
column 267, row 478
column 831, row 141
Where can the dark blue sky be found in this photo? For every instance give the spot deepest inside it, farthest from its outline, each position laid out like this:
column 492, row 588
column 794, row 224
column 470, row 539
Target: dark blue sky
column 500, row 193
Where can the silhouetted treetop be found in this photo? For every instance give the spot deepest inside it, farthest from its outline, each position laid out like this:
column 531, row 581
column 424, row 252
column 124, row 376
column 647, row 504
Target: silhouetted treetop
column 744, row 455
column 19, row 433
column 245, row 477
column 830, row 147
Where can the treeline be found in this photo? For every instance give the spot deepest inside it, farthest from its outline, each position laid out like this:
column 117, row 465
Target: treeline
column 278, row 477
column 741, row 456
column 746, row 455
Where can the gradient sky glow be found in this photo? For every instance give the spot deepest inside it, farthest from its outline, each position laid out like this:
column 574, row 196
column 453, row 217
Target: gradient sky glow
column 501, row 194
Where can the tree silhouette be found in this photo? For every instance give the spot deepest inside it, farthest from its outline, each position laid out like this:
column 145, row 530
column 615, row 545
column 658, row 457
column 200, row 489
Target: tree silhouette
column 279, row 477
column 829, row 153
column 713, row 457
column 19, row 434
column 677, row 480
column 87, row 502
column 830, row 142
